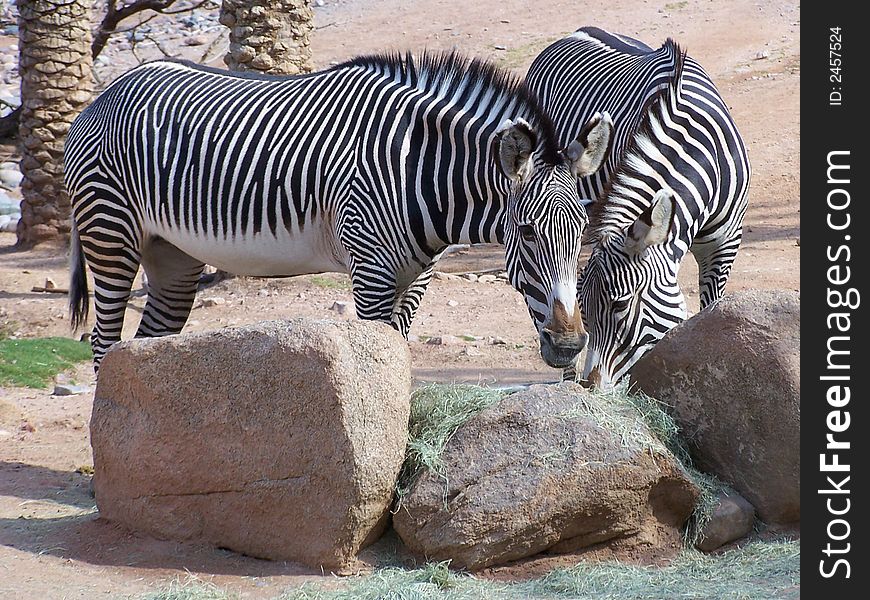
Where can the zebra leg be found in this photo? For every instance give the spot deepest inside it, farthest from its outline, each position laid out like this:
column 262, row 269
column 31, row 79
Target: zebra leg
column 408, row 301
column 714, row 265
column 172, row 279
column 114, row 262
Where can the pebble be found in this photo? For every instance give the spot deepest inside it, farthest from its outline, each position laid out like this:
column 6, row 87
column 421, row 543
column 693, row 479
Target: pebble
column 452, row 303
column 497, row 341
column 762, row 55
column 195, row 40
column 444, row 340
column 67, row 389
column 11, row 178
column 442, row 276
column 263, row 292
column 340, row 307
column 470, row 277
column 213, row 301
column 487, row 279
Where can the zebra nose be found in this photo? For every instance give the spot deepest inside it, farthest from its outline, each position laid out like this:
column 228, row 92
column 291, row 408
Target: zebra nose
column 560, row 350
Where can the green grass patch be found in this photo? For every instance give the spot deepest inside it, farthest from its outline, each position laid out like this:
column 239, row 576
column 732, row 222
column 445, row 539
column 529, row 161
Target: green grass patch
column 437, row 411
column 757, row 571
column 35, row 362
column 330, row 282
column 676, row 5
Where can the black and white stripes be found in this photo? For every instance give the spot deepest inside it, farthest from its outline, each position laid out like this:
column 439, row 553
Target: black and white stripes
column 676, row 181
column 372, row 167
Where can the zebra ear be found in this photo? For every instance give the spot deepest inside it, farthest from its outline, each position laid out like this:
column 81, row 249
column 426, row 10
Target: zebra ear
column 591, row 148
column 653, row 225
column 514, row 144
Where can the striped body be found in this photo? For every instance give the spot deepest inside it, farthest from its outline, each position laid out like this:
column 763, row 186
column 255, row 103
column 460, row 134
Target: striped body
column 675, row 142
column 371, row 168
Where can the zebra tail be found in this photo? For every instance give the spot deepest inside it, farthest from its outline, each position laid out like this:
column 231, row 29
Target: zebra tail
column 78, row 284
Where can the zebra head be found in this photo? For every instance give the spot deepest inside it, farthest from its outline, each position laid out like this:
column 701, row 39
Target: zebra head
column 543, row 225
column 630, row 294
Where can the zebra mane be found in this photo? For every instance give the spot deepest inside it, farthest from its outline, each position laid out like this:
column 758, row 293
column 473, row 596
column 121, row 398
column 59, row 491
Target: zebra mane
column 453, row 75
column 618, row 206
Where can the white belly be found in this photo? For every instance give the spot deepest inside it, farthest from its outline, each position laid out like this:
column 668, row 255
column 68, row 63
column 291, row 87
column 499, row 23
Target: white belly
column 264, row 255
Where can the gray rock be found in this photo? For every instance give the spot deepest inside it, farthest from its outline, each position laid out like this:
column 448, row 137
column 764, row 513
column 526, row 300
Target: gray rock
column 280, row 440
column 731, row 374
column 542, row 471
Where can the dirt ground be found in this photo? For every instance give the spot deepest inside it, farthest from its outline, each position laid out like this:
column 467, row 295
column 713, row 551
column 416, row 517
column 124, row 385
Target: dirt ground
column 52, row 543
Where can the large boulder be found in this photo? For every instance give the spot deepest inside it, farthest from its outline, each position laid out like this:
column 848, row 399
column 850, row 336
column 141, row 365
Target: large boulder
column 732, row 374
column 280, row 440
column 552, row 468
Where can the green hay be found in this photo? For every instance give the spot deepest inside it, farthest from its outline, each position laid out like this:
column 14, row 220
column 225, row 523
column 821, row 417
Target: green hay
column 34, row 363
column 758, row 571
column 190, row 589
column 437, row 411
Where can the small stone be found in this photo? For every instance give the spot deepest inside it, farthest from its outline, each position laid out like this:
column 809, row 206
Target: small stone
column 263, row 292
column 68, row 389
column 470, row 277
column 762, row 55
column 497, row 341
column 28, row 427
column 502, row 275
column 319, row 3
column 50, row 284
column 500, row 47
column 213, row 301
column 442, row 276
column 487, row 279
column 443, row 340
column 452, row 303
column 195, row 40
column 471, row 351
column 11, row 178
column 340, row 307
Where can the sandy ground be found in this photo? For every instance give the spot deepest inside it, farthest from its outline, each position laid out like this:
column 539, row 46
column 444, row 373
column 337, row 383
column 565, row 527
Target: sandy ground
column 52, row 545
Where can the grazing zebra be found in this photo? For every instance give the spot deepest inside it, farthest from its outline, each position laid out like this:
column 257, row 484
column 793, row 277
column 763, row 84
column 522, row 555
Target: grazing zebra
column 372, row 168
column 676, row 180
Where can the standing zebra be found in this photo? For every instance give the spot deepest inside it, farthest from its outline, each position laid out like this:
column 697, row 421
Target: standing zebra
column 372, row 167
column 676, row 180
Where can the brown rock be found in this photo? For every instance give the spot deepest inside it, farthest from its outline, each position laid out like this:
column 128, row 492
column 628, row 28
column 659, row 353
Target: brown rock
column 280, row 440
column 731, row 520
column 732, row 375
column 538, row 472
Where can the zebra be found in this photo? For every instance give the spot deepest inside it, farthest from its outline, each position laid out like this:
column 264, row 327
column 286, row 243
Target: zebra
column 677, row 180
column 372, row 168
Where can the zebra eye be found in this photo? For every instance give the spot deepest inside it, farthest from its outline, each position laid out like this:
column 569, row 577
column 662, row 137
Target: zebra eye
column 621, row 304
column 527, row 232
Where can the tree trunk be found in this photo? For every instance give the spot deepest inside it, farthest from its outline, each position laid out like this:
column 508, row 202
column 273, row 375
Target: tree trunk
column 268, row 36
column 56, row 84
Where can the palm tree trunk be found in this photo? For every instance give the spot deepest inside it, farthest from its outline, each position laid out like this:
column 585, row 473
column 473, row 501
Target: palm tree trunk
column 56, row 84
column 268, row 36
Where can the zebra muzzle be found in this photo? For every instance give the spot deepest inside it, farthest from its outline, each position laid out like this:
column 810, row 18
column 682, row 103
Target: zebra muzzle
column 560, row 350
